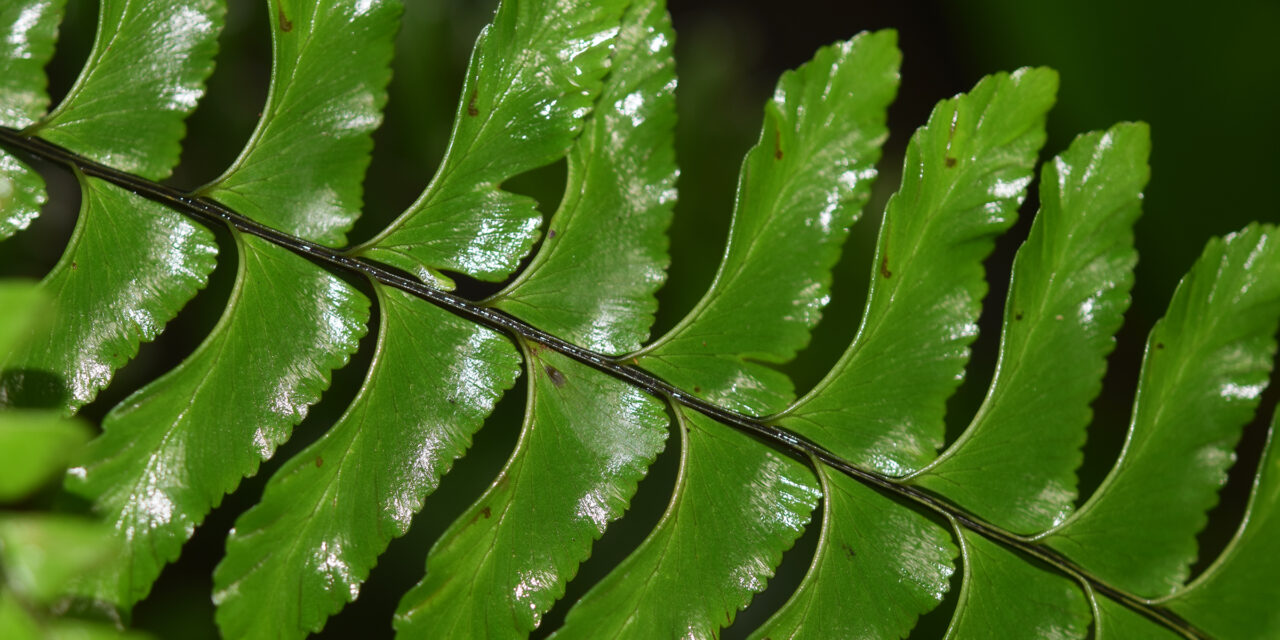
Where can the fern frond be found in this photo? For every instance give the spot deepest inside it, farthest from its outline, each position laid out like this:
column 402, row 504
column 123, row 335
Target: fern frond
column 594, row 83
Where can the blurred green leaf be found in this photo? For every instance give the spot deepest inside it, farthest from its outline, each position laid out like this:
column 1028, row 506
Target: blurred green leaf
column 42, row 553
column 35, row 447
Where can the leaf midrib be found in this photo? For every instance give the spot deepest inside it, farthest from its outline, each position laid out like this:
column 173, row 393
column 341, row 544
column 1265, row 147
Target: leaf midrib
column 213, row 213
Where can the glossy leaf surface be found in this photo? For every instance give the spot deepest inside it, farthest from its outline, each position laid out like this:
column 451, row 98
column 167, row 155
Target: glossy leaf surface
column 1206, row 365
column 308, row 155
column 22, row 195
column 965, row 174
column 586, row 442
column 878, row 567
column 302, row 552
column 1236, row 596
column 737, row 506
column 170, row 451
column 587, row 438
column 145, row 73
column 28, row 29
column 534, row 75
column 593, row 280
column 108, row 301
column 1007, row 596
column 801, row 187
column 1070, row 289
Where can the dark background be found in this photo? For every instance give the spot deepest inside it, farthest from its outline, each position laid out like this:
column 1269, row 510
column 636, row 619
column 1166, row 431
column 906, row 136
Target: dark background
column 1206, row 76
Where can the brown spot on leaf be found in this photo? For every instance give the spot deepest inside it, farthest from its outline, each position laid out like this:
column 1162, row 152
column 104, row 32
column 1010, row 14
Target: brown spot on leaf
column 551, row 234
column 319, row 462
column 884, row 267
column 951, row 162
column 1017, row 316
column 777, row 144
column 74, row 265
column 697, row 389
column 1159, row 345
column 485, row 512
column 285, row 25
column 471, row 104
column 554, row 374
column 848, row 549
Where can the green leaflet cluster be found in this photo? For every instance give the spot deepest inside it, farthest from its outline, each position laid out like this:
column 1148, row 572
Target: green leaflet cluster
column 594, row 82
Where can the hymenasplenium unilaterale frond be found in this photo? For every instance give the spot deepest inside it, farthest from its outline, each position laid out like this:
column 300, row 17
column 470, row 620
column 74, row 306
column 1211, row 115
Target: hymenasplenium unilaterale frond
column 905, row 516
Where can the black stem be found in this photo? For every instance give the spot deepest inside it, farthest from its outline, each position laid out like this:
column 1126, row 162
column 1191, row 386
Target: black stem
column 795, row 444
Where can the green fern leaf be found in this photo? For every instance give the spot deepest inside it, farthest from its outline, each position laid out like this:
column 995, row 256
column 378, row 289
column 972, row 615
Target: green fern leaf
column 1090, row 200
column 28, row 30
column 534, row 75
column 145, row 73
column 140, row 293
column 587, row 439
column 111, row 99
column 1207, row 363
column 965, row 174
column 594, row 82
column 801, row 187
column 302, row 552
column 736, row 507
column 1218, row 599
column 157, row 494
column 905, row 561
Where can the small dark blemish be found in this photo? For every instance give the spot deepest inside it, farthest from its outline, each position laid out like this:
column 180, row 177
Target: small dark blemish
column 884, row 267
column 471, row 104
column 557, row 378
column 1159, row 345
column 319, row 462
column 951, row 162
column 777, row 144
column 848, row 549
column 74, row 265
column 285, row 25
column 1017, row 316
column 485, row 512
column 697, row 389
column 551, row 234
